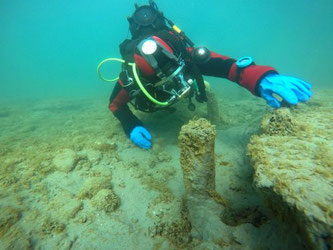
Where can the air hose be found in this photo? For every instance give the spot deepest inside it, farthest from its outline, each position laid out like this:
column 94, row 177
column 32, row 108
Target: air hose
column 136, row 76
column 105, row 61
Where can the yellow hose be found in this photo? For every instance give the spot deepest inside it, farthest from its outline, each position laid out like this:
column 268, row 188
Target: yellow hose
column 143, row 88
column 137, row 79
column 101, row 64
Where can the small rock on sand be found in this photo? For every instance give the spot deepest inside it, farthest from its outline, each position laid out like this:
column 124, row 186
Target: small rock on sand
column 65, row 160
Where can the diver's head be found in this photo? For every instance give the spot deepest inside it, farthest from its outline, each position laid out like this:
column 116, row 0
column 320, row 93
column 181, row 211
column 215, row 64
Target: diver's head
column 156, row 59
column 146, row 20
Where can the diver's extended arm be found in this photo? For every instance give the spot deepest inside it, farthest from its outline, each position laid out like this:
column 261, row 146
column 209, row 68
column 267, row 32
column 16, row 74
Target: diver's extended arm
column 225, row 67
column 263, row 81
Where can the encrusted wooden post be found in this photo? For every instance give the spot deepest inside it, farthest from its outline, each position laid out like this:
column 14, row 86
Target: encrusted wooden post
column 197, row 158
column 213, row 111
column 204, row 204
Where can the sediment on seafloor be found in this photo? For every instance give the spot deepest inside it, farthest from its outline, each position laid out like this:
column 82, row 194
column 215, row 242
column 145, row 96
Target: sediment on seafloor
column 293, row 168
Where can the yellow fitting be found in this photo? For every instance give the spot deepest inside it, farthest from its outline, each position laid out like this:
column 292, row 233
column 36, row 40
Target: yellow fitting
column 178, row 30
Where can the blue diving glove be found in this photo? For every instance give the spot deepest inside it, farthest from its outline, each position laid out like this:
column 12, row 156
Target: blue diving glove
column 141, row 137
column 291, row 89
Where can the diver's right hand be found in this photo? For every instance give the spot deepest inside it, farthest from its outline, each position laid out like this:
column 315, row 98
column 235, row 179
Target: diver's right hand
column 141, row 137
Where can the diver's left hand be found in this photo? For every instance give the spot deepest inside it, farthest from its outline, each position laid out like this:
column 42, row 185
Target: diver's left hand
column 291, row 89
column 141, row 137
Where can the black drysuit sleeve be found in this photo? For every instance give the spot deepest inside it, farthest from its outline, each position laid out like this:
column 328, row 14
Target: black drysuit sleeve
column 119, row 107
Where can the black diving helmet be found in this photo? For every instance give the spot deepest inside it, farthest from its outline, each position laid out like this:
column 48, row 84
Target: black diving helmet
column 146, row 20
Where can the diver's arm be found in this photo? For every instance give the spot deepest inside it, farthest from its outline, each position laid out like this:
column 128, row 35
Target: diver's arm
column 263, row 81
column 225, row 67
column 132, row 126
column 118, row 105
column 251, row 76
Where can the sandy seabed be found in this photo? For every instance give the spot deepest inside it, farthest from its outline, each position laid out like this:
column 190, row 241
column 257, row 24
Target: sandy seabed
column 71, row 179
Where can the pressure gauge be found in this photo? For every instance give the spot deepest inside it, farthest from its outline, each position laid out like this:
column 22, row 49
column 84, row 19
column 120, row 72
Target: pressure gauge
column 244, row 61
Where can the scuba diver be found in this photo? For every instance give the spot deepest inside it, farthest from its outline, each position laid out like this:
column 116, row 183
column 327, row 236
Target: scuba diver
column 161, row 66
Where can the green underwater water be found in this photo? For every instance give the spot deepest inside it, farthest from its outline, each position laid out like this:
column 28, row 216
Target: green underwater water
column 51, row 100
column 52, row 48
